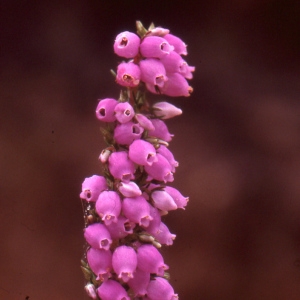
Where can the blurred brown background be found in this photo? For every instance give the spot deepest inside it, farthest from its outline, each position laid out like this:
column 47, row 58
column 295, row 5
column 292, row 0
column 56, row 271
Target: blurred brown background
column 237, row 143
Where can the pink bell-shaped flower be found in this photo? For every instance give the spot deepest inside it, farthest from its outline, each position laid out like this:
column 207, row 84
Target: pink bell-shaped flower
column 139, row 282
column 127, row 44
column 166, row 110
column 137, row 210
column 121, row 228
column 160, row 170
column 142, row 153
column 150, row 260
column 128, row 74
column 176, row 86
column 98, row 236
column 163, row 235
column 126, row 133
column 92, row 187
column 155, row 222
column 153, row 72
column 160, row 289
column 91, row 291
column 179, row 199
column 124, row 261
column 130, row 189
column 155, row 46
column 112, row 290
column 165, row 152
column 124, row 112
column 100, row 261
column 120, row 166
column 105, row 110
column 163, row 201
column 161, row 130
column 108, row 206
column 177, row 43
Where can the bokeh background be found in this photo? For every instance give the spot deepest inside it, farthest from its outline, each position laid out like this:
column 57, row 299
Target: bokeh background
column 237, row 142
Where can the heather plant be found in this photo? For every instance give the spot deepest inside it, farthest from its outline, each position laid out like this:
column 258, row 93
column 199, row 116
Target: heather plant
column 123, row 208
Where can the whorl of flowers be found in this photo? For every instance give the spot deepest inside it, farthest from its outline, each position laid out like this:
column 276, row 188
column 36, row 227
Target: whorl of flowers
column 123, row 209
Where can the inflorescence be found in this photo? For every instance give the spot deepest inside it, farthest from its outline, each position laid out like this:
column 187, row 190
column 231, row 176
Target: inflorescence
column 123, row 208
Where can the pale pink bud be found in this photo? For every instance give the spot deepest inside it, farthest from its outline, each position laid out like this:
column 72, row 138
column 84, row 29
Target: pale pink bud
column 130, row 189
column 163, row 201
column 144, row 122
column 166, row 110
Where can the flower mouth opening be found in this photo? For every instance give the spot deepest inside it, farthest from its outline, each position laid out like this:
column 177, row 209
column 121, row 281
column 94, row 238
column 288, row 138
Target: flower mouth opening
column 160, row 80
column 102, row 112
column 127, row 112
column 124, row 42
column 127, row 78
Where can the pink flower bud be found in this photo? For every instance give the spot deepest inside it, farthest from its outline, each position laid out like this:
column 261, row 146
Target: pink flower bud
column 163, row 235
column 142, row 153
column 105, row 110
column 166, row 110
column 130, row 189
column 112, row 290
column 122, row 228
column 180, row 200
column 127, row 44
column 128, row 74
column 177, row 43
column 104, row 155
column 160, row 170
column 155, row 46
column 139, row 282
column 160, row 130
column 124, row 261
column 153, row 72
column 144, row 122
column 165, row 152
column 98, row 236
column 92, row 187
column 126, row 133
column 137, row 210
column 108, row 206
column 160, row 289
column 91, row 291
column 100, row 261
column 124, row 112
column 163, row 201
column 158, row 31
column 120, row 166
column 150, row 260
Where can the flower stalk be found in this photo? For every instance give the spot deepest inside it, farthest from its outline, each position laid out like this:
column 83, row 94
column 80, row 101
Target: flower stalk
column 123, row 208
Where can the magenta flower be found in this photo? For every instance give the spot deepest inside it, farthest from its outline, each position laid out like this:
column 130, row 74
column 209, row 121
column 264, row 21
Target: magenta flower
column 176, row 86
column 121, row 228
column 142, row 153
column 126, row 133
column 120, row 166
column 98, row 236
column 112, row 290
column 155, row 46
column 180, row 200
column 160, row 130
column 144, row 122
column 127, row 44
column 139, row 282
column 165, row 152
column 160, row 289
column 137, row 210
column 177, row 43
column 128, row 74
column 163, row 235
column 163, row 201
column 124, row 261
column 92, row 187
column 100, row 261
column 153, row 71
column 130, row 189
column 108, row 206
column 150, row 260
column 124, row 112
column 105, row 110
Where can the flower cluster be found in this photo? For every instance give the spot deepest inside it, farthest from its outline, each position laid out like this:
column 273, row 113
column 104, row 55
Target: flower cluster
column 124, row 208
